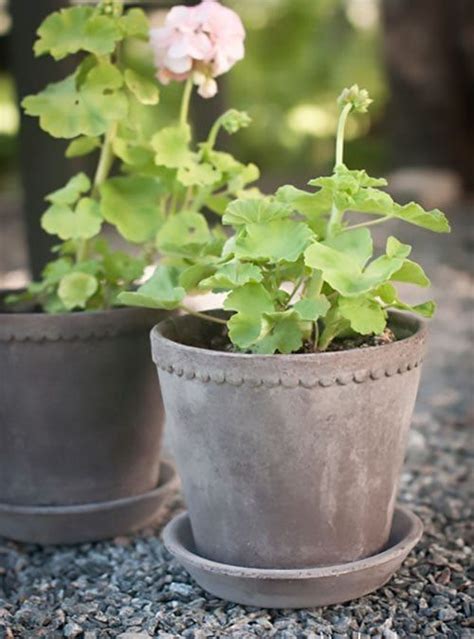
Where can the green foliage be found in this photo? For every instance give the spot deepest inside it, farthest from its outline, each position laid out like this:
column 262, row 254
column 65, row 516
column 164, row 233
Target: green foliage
column 77, row 29
column 162, row 290
column 75, row 289
column 109, row 104
column 131, row 203
column 295, row 271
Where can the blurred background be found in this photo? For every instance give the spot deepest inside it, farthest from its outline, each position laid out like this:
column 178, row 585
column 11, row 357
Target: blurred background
column 416, row 58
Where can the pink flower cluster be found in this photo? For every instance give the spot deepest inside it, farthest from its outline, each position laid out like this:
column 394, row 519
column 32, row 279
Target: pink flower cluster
column 200, row 42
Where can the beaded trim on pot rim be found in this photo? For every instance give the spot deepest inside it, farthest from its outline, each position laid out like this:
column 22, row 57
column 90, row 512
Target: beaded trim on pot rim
column 220, row 377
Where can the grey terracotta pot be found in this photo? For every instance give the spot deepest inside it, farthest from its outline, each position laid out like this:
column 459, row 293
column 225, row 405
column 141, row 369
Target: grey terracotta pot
column 80, row 413
column 288, row 461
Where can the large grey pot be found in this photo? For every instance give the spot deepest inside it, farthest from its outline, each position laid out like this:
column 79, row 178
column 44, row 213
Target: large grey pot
column 80, row 415
column 288, row 461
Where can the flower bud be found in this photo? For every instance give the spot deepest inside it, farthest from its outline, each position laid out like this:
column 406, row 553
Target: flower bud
column 358, row 98
column 234, row 120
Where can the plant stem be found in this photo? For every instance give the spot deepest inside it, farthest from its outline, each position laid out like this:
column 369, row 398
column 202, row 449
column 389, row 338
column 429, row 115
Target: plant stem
column 298, row 283
column 81, row 251
column 336, row 216
column 106, row 159
column 213, row 133
column 341, row 125
column 185, row 101
column 104, row 165
column 379, row 220
column 210, row 318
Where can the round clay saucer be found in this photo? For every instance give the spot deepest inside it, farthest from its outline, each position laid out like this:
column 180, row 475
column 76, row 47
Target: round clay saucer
column 87, row 522
column 302, row 588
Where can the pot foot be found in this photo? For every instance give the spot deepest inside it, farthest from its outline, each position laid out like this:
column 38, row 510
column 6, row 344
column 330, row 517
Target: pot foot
column 301, row 588
column 88, row 522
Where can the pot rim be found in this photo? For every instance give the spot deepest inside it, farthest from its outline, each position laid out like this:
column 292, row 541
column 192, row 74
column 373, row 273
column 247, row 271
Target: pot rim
column 80, row 325
column 420, row 330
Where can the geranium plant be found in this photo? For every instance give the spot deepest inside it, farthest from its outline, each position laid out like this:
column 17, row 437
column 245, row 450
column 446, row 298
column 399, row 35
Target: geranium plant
column 165, row 179
column 298, row 274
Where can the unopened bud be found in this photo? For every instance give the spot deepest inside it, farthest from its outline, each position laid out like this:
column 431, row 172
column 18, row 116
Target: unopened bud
column 358, row 98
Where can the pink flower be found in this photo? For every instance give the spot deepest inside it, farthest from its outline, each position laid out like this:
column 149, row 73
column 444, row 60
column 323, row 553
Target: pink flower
column 201, row 42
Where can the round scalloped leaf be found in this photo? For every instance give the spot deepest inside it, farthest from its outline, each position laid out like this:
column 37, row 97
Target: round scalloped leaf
column 255, row 211
column 162, row 290
column 365, row 315
column 67, row 112
column 172, row 146
column 75, row 289
column 134, row 24
column 70, row 192
column 82, row 224
column 132, row 204
column 278, row 241
column 77, row 29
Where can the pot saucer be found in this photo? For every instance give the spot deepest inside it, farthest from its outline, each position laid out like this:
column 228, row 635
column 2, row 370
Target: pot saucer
column 301, row 588
column 87, row 522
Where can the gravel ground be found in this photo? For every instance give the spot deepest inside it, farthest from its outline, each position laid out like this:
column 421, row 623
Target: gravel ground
column 130, row 588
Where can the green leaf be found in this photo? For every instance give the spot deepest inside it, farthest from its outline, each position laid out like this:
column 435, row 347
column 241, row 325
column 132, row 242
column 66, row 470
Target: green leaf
column 312, row 309
column 217, row 203
column 104, row 75
column 394, row 248
column 412, row 273
column 244, row 330
column 357, row 244
column 132, row 204
column 426, row 309
column 135, row 155
column 247, row 174
column 250, row 301
column 160, row 291
column 134, row 24
column 54, row 271
column 195, row 274
column 343, row 272
column 340, row 270
column 194, row 174
column 413, row 213
column 364, row 314
column 278, row 241
column 370, row 200
column 71, row 191
column 181, row 229
column 308, row 204
column 282, row 332
column 122, row 267
column 75, row 289
column 62, row 221
column 66, row 111
column 76, row 29
column 232, row 275
column 254, row 211
column 82, row 146
column 172, row 146
column 142, row 88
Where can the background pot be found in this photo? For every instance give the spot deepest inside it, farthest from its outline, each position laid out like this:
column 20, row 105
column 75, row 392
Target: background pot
column 288, row 461
column 80, row 414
